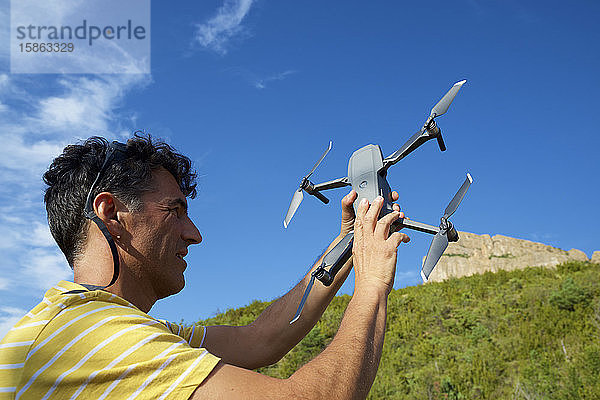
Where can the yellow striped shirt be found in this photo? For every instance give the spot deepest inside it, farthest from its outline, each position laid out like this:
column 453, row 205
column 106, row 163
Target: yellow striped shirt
column 97, row 345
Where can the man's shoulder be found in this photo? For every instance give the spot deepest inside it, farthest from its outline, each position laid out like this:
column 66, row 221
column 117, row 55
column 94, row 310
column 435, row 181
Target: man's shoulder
column 86, row 341
column 73, row 310
column 67, row 293
column 63, row 311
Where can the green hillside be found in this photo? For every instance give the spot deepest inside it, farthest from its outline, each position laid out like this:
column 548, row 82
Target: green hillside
column 527, row 334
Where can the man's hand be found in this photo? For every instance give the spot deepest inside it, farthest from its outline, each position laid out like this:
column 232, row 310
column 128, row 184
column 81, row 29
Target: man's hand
column 374, row 252
column 348, row 214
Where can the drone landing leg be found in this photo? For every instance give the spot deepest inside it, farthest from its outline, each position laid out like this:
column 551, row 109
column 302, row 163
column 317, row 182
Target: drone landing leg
column 335, row 259
column 330, row 266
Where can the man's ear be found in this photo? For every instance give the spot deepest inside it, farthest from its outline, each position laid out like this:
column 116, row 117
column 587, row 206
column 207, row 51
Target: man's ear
column 106, row 207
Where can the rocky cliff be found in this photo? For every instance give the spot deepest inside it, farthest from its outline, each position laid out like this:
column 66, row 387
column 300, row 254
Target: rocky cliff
column 475, row 254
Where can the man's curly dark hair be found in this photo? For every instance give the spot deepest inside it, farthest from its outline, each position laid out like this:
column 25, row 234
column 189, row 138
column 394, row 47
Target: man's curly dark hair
column 72, row 173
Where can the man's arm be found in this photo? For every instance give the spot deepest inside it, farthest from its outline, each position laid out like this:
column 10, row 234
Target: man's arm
column 347, row 367
column 270, row 337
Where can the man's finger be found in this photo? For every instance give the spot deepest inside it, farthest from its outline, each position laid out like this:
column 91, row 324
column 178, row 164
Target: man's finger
column 363, row 206
column 397, row 237
column 373, row 213
column 347, row 202
column 395, row 196
column 401, row 215
column 348, row 212
column 382, row 229
column 349, row 199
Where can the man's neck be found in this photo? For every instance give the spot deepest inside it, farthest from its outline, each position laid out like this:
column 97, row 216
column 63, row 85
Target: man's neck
column 98, row 271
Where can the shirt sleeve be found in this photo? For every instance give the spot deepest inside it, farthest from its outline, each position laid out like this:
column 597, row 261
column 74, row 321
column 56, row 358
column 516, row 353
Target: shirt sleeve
column 112, row 351
column 194, row 334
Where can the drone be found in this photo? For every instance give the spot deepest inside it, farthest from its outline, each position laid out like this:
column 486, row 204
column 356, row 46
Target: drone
column 367, row 172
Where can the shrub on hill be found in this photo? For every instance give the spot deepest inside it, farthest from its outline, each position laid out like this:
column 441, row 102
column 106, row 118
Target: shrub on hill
column 525, row 334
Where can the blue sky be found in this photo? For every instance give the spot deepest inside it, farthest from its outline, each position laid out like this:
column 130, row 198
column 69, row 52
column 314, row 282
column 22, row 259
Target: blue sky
column 253, row 90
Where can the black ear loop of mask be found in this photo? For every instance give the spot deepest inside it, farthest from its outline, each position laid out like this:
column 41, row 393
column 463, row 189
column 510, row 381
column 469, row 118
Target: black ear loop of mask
column 114, row 153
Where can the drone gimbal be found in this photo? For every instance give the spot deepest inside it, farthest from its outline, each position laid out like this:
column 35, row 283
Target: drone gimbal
column 367, row 172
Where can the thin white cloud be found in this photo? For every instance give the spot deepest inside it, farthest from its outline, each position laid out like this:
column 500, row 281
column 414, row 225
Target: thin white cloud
column 81, row 107
column 9, row 316
column 541, row 236
column 86, row 104
column 41, row 236
column 215, row 33
column 262, row 83
column 260, row 80
column 44, row 267
column 35, row 10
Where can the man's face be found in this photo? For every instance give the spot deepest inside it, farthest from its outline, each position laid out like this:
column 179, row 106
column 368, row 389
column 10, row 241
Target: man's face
column 160, row 235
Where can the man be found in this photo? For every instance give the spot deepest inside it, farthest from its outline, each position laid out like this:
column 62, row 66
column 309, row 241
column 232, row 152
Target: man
column 92, row 340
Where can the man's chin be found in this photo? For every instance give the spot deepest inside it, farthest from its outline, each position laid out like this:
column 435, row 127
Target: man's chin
column 174, row 288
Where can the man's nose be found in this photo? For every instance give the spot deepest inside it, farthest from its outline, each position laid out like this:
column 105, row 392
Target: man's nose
column 191, row 234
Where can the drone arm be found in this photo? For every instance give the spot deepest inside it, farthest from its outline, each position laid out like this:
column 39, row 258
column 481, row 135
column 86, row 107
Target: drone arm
column 336, row 183
column 417, row 226
column 411, row 144
column 315, row 190
column 309, row 187
column 429, row 131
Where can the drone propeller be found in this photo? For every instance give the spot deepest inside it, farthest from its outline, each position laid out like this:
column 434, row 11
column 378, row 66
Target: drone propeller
column 442, row 106
column 436, row 249
column 453, row 205
column 296, row 200
column 447, row 233
column 304, row 184
column 304, row 297
column 320, row 159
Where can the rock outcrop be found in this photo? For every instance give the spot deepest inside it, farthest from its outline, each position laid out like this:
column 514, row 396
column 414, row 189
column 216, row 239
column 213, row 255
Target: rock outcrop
column 596, row 257
column 476, row 254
